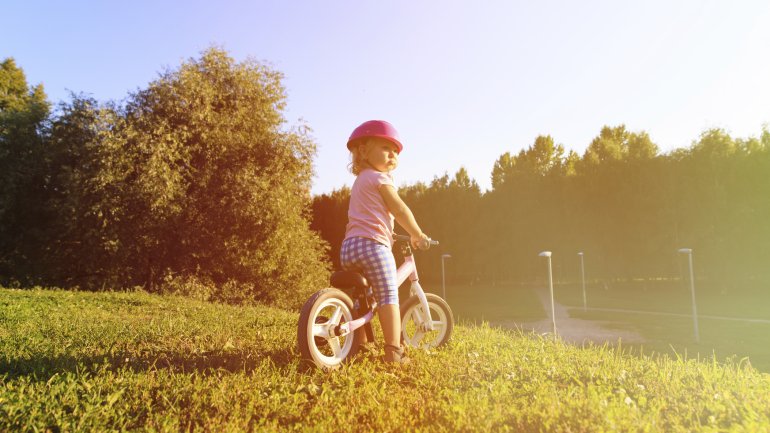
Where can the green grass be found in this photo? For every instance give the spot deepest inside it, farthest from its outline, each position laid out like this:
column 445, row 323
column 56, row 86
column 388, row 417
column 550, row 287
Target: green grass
column 72, row 361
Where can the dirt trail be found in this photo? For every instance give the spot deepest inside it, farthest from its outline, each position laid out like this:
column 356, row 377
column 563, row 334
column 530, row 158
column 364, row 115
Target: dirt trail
column 572, row 330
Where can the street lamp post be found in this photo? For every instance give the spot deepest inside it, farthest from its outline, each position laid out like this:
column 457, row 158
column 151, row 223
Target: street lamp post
column 688, row 251
column 583, row 278
column 547, row 254
column 443, row 279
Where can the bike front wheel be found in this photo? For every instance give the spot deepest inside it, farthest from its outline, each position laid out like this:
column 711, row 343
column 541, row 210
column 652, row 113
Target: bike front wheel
column 414, row 320
column 321, row 316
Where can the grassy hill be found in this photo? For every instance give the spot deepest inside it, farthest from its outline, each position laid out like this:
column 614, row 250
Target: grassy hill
column 73, row 361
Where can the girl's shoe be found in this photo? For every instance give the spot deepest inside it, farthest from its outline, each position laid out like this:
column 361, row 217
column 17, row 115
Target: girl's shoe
column 396, row 355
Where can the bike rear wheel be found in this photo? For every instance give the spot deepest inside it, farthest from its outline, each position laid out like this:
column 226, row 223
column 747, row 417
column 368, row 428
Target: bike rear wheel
column 324, row 312
column 413, row 317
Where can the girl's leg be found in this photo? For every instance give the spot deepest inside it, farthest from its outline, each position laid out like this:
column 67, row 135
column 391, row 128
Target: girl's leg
column 350, row 253
column 390, row 319
column 376, row 262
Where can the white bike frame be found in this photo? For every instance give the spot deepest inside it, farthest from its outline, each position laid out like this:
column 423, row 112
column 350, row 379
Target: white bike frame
column 408, row 269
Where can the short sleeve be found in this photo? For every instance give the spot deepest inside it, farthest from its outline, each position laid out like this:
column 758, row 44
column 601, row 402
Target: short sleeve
column 368, row 215
column 381, row 178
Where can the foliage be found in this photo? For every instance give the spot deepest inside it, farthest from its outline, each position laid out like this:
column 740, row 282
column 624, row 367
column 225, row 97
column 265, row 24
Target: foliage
column 24, row 110
column 625, row 205
column 75, row 361
column 457, row 196
column 89, row 186
column 217, row 188
column 196, row 178
column 329, row 219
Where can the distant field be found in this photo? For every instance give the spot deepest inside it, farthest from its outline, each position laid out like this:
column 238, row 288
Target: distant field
column 665, row 334
column 72, row 361
column 746, row 299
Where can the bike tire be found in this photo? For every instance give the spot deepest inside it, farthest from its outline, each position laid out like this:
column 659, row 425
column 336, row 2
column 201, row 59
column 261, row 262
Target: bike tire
column 443, row 322
column 324, row 310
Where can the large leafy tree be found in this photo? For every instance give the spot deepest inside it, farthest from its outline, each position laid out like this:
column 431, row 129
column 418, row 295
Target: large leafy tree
column 197, row 178
column 220, row 187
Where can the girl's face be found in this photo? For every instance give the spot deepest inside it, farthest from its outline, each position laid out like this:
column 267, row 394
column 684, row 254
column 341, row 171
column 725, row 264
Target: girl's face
column 381, row 154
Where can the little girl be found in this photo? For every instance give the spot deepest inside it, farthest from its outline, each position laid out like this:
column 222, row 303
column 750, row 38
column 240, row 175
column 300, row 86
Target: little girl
column 374, row 203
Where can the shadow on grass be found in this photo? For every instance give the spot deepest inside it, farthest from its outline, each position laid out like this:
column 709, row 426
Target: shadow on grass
column 44, row 367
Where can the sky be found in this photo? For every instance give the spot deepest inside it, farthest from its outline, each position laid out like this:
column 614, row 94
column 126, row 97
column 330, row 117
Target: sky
column 462, row 81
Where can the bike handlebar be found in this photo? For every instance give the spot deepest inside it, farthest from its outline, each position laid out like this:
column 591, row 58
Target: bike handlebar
column 398, row 237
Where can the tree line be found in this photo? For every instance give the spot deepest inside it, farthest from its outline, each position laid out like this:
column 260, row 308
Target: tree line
column 194, row 185
column 624, row 204
column 197, row 185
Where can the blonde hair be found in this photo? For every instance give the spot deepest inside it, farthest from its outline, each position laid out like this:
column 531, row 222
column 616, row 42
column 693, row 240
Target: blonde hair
column 358, row 152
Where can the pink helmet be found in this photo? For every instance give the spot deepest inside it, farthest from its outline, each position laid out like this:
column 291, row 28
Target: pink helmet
column 376, row 128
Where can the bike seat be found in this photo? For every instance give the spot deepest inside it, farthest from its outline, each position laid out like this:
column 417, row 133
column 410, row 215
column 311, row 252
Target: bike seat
column 348, row 280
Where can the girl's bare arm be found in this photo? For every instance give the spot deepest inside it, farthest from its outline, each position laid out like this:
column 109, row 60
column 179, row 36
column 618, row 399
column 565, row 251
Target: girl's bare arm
column 403, row 215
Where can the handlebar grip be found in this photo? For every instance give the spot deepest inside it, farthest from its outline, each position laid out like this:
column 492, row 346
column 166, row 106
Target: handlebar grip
column 405, row 238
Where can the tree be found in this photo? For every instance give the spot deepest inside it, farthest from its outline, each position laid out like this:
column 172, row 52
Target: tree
column 197, row 177
column 503, row 166
column 221, row 188
column 543, row 158
column 330, row 219
column 463, row 236
column 89, row 187
column 641, row 147
column 447, row 210
column 618, row 144
column 23, row 113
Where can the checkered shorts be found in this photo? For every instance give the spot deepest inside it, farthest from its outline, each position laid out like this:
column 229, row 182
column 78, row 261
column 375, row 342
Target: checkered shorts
column 375, row 261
